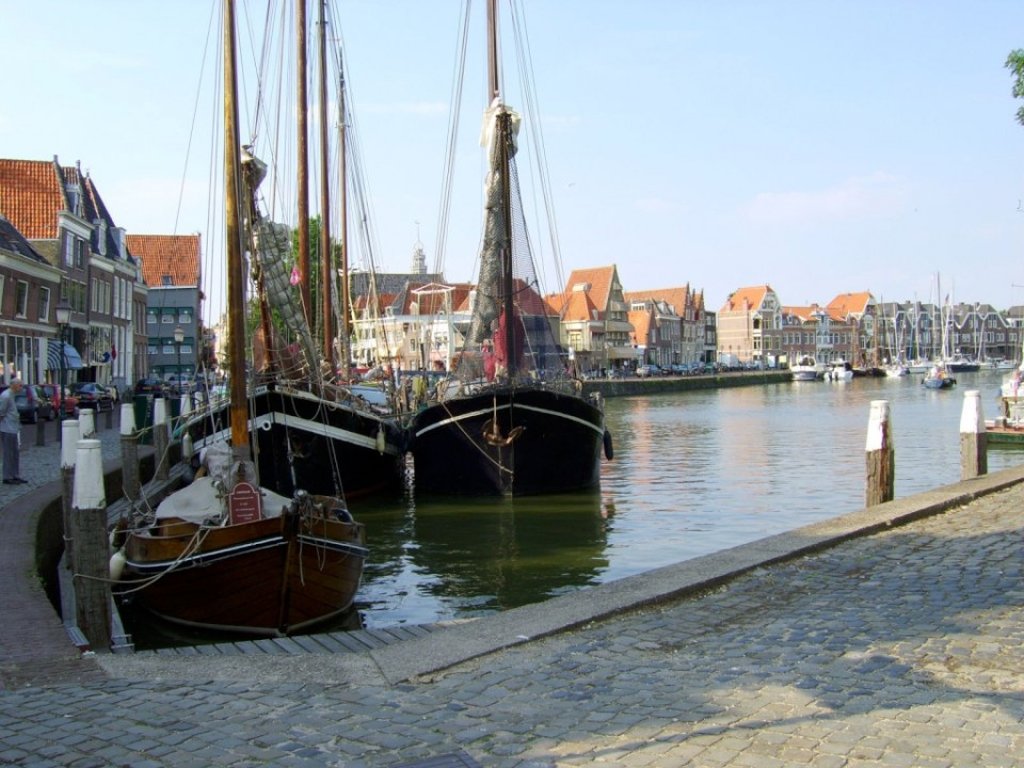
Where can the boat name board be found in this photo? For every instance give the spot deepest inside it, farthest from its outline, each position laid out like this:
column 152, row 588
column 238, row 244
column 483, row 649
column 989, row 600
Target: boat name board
column 244, row 504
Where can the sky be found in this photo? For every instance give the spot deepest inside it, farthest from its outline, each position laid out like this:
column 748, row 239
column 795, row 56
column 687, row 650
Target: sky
column 819, row 147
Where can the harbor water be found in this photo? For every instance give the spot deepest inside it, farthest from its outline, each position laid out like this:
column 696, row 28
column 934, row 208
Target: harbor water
column 693, row 473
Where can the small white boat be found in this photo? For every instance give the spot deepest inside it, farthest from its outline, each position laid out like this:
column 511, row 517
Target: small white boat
column 896, row 370
column 807, row 369
column 840, row 371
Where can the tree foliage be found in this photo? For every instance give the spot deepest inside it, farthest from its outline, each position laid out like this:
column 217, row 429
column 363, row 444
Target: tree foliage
column 1015, row 63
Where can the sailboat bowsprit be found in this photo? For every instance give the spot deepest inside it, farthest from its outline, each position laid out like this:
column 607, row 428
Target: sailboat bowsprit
column 510, row 418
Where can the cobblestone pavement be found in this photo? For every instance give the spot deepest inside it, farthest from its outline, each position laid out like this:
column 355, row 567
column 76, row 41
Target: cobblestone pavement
column 40, row 464
column 898, row 649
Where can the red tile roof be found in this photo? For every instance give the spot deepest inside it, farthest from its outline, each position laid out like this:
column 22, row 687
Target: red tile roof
column 31, row 196
column 806, row 314
column 641, row 320
column 674, row 297
column 746, row 297
column 600, row 281
column 846, row 304
column 176, row 257
column 578, row 307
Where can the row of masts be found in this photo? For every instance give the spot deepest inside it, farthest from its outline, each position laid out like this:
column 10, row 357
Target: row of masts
column 234, row 228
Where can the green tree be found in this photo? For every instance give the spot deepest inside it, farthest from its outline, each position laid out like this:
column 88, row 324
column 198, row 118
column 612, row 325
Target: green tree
column 1015, row 63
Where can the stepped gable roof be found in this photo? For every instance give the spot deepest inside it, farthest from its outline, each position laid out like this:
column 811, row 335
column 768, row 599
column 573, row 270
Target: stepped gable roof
column 749, row 298
column 31, row 196
column 677, row 298
column 168, row 260
column 12, row 241
column 846, row 304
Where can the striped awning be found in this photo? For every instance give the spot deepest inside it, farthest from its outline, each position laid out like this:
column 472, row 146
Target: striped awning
column 72, row 360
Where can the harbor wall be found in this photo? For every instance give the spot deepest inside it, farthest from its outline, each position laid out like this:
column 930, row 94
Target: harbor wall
column 631, row 387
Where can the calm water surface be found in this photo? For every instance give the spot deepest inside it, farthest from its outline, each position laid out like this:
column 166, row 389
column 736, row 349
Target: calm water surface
column 694, row 473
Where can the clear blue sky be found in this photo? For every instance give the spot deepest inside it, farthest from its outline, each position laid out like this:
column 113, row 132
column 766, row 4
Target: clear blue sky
column 822, row 147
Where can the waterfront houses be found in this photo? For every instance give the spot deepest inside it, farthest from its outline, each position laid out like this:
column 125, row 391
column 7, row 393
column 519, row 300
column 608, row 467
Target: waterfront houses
column 28, row 285
column 171, row 267
column 59, row 211
column 593, row 319
column 749, row 326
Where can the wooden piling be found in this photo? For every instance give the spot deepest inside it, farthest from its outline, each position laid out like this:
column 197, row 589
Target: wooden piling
column 91, row 546
column 973, row 440
column 161, row 438
column 131, row 483
column 881, row 456
column 68, row 447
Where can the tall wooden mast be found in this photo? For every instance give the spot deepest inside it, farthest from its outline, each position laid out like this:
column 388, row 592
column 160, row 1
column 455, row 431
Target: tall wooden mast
column 503, row 138
column 233, row 243
column 343, row 330
column 326, row 278
column 302, row 103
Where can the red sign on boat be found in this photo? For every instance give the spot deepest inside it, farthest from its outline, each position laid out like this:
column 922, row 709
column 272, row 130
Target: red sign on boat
column 244, row 504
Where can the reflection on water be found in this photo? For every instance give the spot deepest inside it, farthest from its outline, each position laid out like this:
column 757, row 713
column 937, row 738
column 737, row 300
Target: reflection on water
column 455, row 557
column 694, row 473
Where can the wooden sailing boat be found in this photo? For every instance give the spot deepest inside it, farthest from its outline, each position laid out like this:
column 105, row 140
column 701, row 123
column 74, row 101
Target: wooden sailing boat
column 223, row 553
column 510, row 419
column 313, row 431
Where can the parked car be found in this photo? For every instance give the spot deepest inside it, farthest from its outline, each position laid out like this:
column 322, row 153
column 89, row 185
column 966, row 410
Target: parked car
column 149, row 385
column 45, row 407
column 648, row 370
column 52, row 393
column 92, row 395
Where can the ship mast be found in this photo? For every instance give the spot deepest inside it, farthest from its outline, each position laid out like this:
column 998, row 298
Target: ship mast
column 325, row 229
column 302, row 101
column 233, row 244
column 504, row 169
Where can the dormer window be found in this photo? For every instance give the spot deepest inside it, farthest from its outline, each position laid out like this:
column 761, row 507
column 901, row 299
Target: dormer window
column 166, row 280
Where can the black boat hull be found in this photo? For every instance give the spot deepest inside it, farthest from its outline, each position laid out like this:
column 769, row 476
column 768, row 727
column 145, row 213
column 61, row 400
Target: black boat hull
column 305, row 443
column 545, row 442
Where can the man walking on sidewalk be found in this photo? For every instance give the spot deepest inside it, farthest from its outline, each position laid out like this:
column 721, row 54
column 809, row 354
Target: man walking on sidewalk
column 10, row 428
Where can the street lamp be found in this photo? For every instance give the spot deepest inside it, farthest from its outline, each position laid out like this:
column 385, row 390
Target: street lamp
column 179, row 336
column 63, row 312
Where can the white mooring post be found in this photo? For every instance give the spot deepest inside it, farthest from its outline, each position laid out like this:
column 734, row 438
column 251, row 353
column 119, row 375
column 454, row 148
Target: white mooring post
column 130, row 483
column 973, row 440
column 86, row 423
column 161, row 438
column 881, row 456
column 68, row 448
column 91, row 546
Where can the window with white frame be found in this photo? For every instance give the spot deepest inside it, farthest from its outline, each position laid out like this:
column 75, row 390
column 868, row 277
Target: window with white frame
column 21, row 299
column 44, row 303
